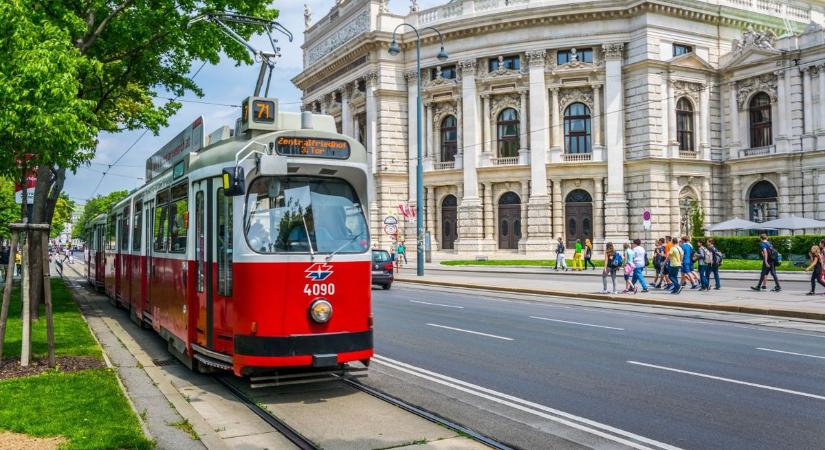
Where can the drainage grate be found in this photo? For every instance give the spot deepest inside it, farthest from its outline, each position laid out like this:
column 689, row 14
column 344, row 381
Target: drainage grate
column 163, row 362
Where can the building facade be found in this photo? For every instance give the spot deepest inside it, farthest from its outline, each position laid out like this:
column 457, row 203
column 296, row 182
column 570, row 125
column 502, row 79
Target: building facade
column 571, row 118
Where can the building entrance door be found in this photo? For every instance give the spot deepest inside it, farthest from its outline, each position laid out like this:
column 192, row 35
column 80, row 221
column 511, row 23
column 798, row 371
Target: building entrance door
column 449, row 222
column 578, row 212
column 509, row 221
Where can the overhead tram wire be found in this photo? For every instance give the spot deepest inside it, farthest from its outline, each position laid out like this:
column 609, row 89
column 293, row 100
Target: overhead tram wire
column 94, row 192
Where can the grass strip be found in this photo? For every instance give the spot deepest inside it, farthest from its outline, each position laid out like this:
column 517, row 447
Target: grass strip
column 87, row 407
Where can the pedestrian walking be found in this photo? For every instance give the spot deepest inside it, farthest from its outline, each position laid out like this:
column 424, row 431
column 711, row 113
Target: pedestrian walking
column 675, row 257
column 628, row 268
column 577, row 256
column 659, row 258
column 816, row 268
column 560, row 258
column 588, row 255
column 703, row 258
column 715, row 263
column 770, row 259
column 611, row 264
column 4, row 262
column 688, row 258
column 402, row 252
column 639, row 263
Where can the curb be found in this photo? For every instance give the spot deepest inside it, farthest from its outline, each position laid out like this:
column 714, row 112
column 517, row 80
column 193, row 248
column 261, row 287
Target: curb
column 634, row 299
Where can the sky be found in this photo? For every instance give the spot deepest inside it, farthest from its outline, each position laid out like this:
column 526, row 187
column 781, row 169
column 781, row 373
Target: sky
column 224, row 84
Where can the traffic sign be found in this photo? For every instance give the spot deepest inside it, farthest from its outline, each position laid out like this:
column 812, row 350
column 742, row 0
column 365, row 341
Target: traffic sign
column 647, row 219
column 390, row 220
column 391, row 229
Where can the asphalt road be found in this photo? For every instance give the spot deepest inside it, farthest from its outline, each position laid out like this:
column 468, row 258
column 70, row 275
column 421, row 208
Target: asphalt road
column 538, row 374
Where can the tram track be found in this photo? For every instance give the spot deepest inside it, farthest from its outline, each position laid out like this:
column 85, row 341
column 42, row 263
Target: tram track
column 303, row 443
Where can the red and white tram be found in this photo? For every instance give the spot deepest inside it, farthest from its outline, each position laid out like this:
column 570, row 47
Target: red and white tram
column 250, row 254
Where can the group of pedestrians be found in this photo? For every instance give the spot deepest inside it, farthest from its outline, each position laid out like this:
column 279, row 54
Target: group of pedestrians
column 582, row 256
column 674, row 262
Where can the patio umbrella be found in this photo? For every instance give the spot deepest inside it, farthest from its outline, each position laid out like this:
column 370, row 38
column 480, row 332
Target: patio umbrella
column 793, row 223
column 738, row 224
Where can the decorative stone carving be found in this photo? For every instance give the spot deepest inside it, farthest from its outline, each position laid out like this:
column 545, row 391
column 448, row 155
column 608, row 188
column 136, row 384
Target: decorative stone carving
column 414, row 6
column 687, row 89
column 371, row 77
column 765, row 83
column 468, row 66
column 755, row 39
column 307, row 16
column 615, row 50
column 501, row 71
column 440, row 111
column 575, row 95
column 499, row 103
column 536, row 57
column 411, row 76
column 383, row 6
column 359, row 24
column 439, row 79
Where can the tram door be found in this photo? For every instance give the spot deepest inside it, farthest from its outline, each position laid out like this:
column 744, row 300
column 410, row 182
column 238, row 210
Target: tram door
column 203, row 291
column 149, row 221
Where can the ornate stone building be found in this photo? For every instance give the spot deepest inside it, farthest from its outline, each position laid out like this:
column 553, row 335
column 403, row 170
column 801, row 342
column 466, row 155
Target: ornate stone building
column 571, row 118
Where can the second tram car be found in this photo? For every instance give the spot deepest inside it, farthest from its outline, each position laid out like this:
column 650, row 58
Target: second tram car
column 250, row 254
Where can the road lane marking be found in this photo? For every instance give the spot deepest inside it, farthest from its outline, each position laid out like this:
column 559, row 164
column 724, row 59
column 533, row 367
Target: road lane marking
column 436, row 304
column 576, row 323
column 822, row 336
column 790, row 353
column 577, row 422
column 729, row 380
column 469, row 331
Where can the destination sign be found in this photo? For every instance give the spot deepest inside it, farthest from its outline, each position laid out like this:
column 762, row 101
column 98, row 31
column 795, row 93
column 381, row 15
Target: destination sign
column 312, row 147
column 187, row 141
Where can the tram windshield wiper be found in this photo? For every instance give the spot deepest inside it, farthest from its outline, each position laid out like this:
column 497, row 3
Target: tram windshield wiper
column 346, row 244
column 309, row 240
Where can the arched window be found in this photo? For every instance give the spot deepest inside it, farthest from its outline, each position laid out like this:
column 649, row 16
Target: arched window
column 449, row 139
column 509, row 198
column 763, row 202
column 760, row 116
column 508, row 133
column 577, row 128
column 684, row 124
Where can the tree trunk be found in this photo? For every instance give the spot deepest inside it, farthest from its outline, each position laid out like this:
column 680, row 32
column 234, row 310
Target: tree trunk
column 47, row 191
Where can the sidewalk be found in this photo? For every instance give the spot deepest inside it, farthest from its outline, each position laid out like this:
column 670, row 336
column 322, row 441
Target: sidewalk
column 544, row 282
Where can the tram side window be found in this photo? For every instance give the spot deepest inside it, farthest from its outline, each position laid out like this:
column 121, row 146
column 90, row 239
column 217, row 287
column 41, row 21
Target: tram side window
column 178, row 219
column 224, row 212
column 110, row 233
column 124, row 231
column 161, row 231
column 136, row 226
column 200, row 243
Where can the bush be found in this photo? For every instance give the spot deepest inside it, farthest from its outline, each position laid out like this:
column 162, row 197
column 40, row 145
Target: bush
column 741, row 246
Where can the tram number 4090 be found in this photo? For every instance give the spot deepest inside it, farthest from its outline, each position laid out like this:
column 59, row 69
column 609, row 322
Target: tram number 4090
column 319, row 289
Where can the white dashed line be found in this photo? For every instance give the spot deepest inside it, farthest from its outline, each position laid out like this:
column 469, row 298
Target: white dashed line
column 436, row 304
column 469, row 331
column 577, row 323
column 790, row 353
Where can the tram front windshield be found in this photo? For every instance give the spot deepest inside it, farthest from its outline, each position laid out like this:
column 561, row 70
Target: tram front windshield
column 304, row 215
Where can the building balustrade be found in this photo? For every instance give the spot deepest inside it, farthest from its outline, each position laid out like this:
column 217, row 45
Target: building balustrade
column 505, row 161
column 688, row 154
column 445, row 165
column 576, row 157
column 757, row 151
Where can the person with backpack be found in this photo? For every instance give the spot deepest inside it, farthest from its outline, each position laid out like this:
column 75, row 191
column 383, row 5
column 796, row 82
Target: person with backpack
column 629, row 256
column 715, row 263
column 703, row 258
column 688, row 258
column 675, row 257
column 560, row 258
column 659, row 258
column 588, row 254
column 770, row 259
column 640, row 261
column 612, row 261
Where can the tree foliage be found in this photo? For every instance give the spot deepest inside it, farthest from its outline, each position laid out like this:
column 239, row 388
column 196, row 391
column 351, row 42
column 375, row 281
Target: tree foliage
column 93, row 208
column 62, row 214
column 9, row 211
column 697, row 218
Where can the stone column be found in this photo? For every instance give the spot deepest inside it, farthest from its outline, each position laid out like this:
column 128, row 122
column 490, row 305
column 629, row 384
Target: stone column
column 598, row 211
column 672, row 141
column 412, row 131
column 820, row 113
column 733, row 113
column 704, row 122
column 738, row 208
column 598, row 148
column 538, row 225
column 459, row 116
column 489, row 221
column 485, row 120
column 523, row 151
column 525, row 235
column 616, row 222
column 808, row 138
column 782, row 93
column 558, row 211
column 470, row 214
column 371, row 80
column 556, row 131
column 675, row 208
column 346, row 112
column 432, row 211
column 706, row 201
column 664, row 103
column 428, row 136
column 784, row 195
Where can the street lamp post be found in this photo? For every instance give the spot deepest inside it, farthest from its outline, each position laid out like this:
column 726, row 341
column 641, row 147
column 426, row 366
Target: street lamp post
column 395, row 49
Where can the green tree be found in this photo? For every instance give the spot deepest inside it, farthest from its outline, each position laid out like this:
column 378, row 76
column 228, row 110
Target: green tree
column 697, row 218
column 9, row 211
column 71, row 69
column 93, row 208
column 62, row 214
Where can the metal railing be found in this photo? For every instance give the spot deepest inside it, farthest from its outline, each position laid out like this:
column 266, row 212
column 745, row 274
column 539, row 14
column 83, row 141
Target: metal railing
column 446, row 165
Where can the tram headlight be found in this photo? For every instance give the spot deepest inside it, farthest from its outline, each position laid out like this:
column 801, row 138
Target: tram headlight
column 321, row 311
